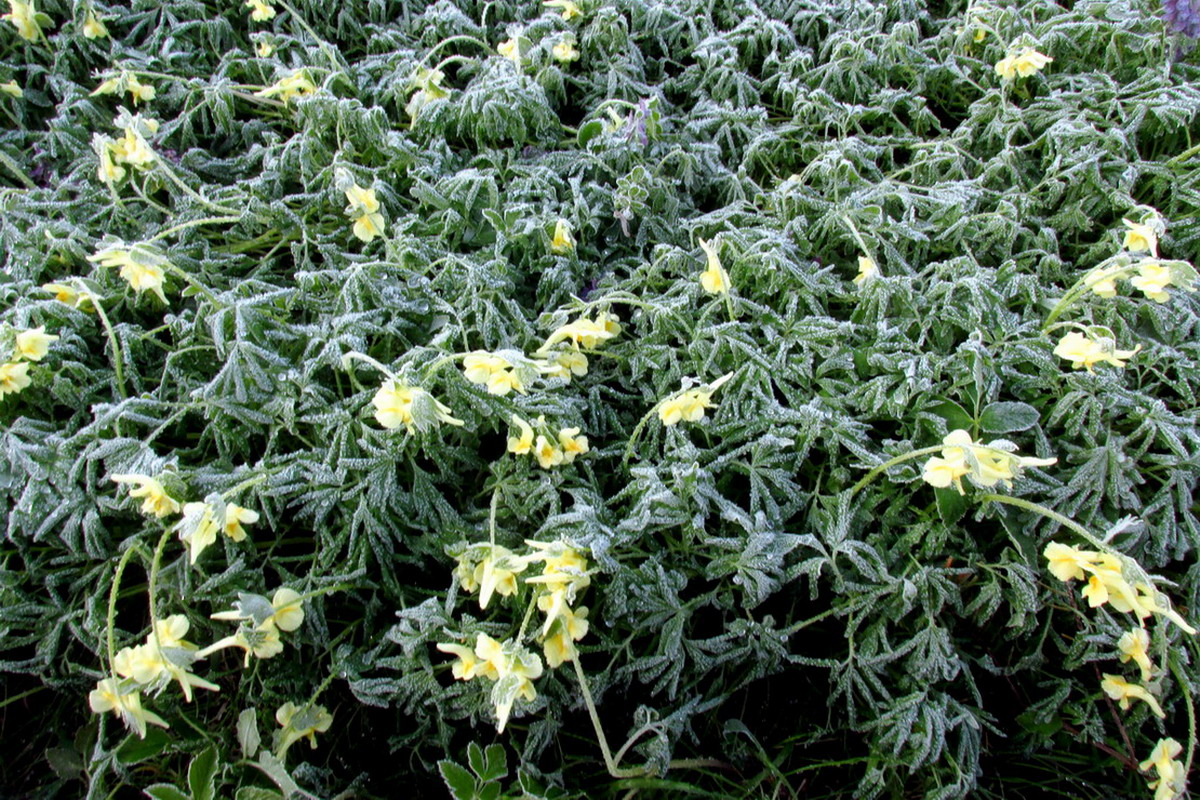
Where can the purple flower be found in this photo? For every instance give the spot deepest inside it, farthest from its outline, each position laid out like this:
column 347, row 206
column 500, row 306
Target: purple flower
column 1182, row 16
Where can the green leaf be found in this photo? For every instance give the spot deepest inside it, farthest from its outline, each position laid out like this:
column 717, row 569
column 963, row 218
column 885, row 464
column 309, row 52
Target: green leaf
column 247, row 732
column 257, row 793
column 274, row 769
column 458, row 780
column 475, row 759
column 165, row 791
column 135, row 750
column 1008, row 417
column 496, row 763
column 202, row 774
column 955, row 415
column 951, row 505
column 65, row 761
column 589, row 131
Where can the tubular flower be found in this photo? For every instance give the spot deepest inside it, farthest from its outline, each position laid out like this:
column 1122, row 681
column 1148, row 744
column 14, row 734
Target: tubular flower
column 399, row 404
column 1084, row 352
column 572, row 444
column 464, row 668
column 510, row 49
column 124, row 700
column 546, row 453
column 94, row 28
column 142, row 266
column 564, row 364
column 157, row 501
column 1172, row 776
column 14, row 377
column 563, row 242
column 690, row 405
column 429, row 88
column 559, row 646
column 496, row 372
column 260, row 10
column 127, row 82
column 1103, row 281
column 584, row 332
column 294, row 84
column 28, row 21
column 497, row 573
column 520, row 445
column 565, row 52
column 363, row 209
column 1133, row 645
column 1153, row 279
column 1068, row 562
column 199, row 527
column 984, row 464
column 12, row 89
column 868, row 270
column 1025, row 63
column 33, row 344
column 234, row 517
column 300, row 723
column 569, row 9
column 1124, row 692
column 1141, row 237
column 714, row 279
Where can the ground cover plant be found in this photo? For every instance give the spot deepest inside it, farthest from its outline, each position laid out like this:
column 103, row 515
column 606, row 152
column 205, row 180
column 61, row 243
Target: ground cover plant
column 581, row 399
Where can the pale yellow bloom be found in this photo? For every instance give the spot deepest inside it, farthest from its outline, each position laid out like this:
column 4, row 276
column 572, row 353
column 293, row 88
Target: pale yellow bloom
column 157, row 502
column 264, row 49
column 24, row 16
column 234, row 517
column 33, row 344
column 1068, row 562
column 1140, row 238
column 198, row 529
column 569, row 9
column 12, row 89
column 294, row 84
column 546, row 453
column 494, row 371
column 867, row 270
column 1172, row 774
column 520, row 445
column 429, row 88
column 1025, row 63
column 1134, row 645
column 142, row 269
column 510, row 49
column 14, row 377
column 563, row 242
column 1084, row 352
column 126, row 702
column 133, row 149
column 1152, row 279
column 66, row 293
column 1123, row 692
column 584, row 332
column 289, row 610
column 464, row 668
column 300, row 722
column 985, row 464
column 362, row 201
column 572, row 444
column 94, row 28
column 558, row 646
column 261, row 11
column 395, row 403
column 368, row 226
column 713, row 279
column 490, row 658
column 497, row 574
column 1102, row 282
column 565, row 52
column 690, row 405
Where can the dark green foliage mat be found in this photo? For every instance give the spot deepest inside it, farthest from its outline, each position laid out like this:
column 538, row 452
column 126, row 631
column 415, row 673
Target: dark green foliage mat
column 307, row 262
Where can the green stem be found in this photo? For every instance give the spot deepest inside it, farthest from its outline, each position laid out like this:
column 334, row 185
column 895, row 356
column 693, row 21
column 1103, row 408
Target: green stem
column 112, row 610
column 1185, row 687
column 192, row 193
column 600, row 738
column 1098, row 275
column 857, row 236
column 191, row 224
column 118, row 358
column 155, row 562
column 460, row 38
column 10, row 700
column 16, row 170
column 900, row 459
column 1045, row 512
column 450, row 60
column 354, row 355
column 195, row 284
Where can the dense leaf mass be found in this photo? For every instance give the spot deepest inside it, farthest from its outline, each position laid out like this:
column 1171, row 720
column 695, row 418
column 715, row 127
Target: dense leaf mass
column 746, row 607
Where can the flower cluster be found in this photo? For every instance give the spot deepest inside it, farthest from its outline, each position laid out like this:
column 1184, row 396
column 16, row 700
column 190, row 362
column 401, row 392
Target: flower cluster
column 498, row 373
column 512, row 667
column 29, row 346
column 261, row 622
column 201, row 522
column 292, row 85
column 1153, row 274
column 396, row 403
column 984, row 465
column 1084, row 352
column 1024, row 63
column 142, row 265
column 1108, row 584
column 690, row 404
column 130, row 150
column 549, row 449
column 560, row 357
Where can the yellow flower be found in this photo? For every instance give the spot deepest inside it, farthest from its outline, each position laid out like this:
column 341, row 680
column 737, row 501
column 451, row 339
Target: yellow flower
column 25, row 17
column 12, row 89
column 510, row 49
column 198, row 528
column 300, row 722
column 491, row 660
column 1068, row 563
column 1153, row 279
column 867, row 270
column 294, row 84
column 524, row 443
column 288, row 609
column 94, row 28
column 464, row 668
column 1133, row 645
column 65, row 293
column 264, row 49
column 1084, row 352
column 1172, row 775
column 583, row 332
column 1026, row 63
column 157, row 501
column 1102, row 282
column 495, row 371
column 572, row 444
column 261, row 11
column 985, row 464
column 564, row 52
column 497, row 574
column 126, row 702
column 140, row 92
column 1123, row 692
column 559, row 646
column 234, row 517
column 399, row 404
column 569, row 9
column 429, row 88
column 109, row 172
column 368, row 226
column 690, row 405
column 133, row 149
column 563, row 242
column 33, row 344
column 362, row 201
column 513, row 667
column 713, row 279
column 141, row 266
column 1140, row 238
column 547, row 454
column 14, row 377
